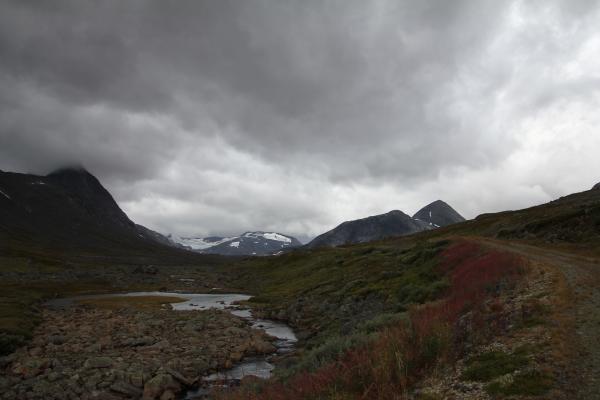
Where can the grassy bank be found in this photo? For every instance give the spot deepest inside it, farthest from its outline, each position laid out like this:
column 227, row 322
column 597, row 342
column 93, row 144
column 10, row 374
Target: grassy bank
column 136, row 302
column 19, row 307
column 325, row 293
column 388, row 360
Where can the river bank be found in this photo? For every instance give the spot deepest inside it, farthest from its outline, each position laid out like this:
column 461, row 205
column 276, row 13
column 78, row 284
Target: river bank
column 86, row 352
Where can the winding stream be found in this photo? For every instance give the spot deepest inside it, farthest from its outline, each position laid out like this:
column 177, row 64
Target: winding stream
column 255, row 366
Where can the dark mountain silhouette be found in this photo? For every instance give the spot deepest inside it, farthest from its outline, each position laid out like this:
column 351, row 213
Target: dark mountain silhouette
column 438, row 214
column 393, row 223
column 69, row 209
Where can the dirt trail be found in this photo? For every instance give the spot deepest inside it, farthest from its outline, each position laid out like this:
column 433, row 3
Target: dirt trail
column 583, row 276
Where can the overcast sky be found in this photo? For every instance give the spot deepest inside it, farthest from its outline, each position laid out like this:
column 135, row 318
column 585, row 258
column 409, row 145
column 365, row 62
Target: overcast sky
column 216, row 117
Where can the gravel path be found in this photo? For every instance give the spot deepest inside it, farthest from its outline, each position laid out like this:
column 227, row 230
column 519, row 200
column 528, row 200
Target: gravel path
column 583, row 276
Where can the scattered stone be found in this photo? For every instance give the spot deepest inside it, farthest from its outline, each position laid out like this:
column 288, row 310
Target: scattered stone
column 263, row 347
column 157, row 386
column 36, row 351
column 179, row 377
column 168, row 395
column 91, row 353
column 98, row 362
column 56, row 339
column 126, row 389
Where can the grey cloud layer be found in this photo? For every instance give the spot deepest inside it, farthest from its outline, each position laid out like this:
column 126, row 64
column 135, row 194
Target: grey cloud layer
column 220, row 116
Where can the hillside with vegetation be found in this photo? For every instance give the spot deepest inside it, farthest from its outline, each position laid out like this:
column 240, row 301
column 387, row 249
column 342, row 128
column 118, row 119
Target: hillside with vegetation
column 483, row 309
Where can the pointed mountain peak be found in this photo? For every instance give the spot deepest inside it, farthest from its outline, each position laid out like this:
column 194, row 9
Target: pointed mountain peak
column 376, row 227
column 75, row 176
column 438, row 214
column 438, row 203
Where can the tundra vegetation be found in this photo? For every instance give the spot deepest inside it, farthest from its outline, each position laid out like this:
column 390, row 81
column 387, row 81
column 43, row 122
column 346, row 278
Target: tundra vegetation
column 483, row 309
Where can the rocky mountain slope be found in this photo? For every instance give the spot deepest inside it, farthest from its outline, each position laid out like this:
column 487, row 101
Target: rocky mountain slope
column 249, row 243
column 69, row 209
column 394, row 223
column 438, row 214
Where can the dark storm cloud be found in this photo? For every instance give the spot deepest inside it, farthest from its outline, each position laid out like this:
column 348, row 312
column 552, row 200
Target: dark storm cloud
column 220, row 116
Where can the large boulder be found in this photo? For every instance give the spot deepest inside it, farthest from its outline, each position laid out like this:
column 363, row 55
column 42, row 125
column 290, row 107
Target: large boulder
column 126, row 389
column 158, row 385
column 263, row 347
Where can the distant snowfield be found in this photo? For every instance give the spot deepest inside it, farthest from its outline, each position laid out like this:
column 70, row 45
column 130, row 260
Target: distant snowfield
column 277, row 237
column 257, row 238
column 268, row 235
column 199, row 243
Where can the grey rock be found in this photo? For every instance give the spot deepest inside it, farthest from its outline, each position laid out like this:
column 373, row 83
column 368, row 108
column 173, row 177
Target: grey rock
column 156, row 386
column 177, row 375
column 57, row 339
column 126, row 389
column 168, row 395
column 139, row 341
column 98, row 362
column 53, row 376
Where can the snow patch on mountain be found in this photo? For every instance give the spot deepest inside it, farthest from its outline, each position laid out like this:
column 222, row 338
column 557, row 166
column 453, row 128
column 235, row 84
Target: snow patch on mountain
column 4, row 194
column 248, row 243
column 198, row 243
column 277, row 237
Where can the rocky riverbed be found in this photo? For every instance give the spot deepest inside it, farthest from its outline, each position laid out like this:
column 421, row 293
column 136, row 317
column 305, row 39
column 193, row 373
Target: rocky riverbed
column 84, row 352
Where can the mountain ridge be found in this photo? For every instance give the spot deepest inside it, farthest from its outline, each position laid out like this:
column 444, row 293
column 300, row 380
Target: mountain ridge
column 391, row 224
column 376, row 227
column 259, row 243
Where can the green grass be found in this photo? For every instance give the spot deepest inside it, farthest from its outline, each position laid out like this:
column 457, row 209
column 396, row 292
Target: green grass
column 20, row 306
column 531, row 383
column 335, row 346
column 537, row 314
column 18, row 317
column 136, row 302
column 335, row 290
column 493, row 364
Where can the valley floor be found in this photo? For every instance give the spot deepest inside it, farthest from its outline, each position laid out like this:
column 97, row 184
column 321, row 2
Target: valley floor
column 92, row 351
column 465, row 318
